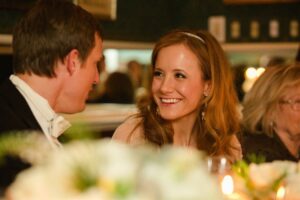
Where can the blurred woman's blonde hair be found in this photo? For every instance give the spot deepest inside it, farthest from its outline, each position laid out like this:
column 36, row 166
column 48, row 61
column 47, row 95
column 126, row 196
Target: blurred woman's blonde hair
column 261, row 102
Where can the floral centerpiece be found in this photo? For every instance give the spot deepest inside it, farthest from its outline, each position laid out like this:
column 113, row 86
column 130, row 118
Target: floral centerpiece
column 106, row 169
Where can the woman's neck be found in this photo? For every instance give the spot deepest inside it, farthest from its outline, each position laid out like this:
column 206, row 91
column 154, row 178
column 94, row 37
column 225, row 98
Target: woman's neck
column 184, row 133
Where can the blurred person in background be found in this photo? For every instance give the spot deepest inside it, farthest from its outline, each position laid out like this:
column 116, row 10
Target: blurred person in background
column 139, row 79
column 192, row 102
column 98, row 89
column 117, row 88
column 276, row 61
column 135, row 71
column 271, row 115
column 239, row 79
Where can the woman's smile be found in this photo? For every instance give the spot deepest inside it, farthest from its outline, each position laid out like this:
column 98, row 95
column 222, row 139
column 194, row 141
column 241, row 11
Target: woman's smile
column 169, row 100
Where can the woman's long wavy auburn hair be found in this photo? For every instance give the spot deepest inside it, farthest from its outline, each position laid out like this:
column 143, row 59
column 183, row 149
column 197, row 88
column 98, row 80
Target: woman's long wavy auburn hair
column 220, row 106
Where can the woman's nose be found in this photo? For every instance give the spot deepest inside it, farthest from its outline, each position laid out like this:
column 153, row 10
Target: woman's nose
column 167, row 85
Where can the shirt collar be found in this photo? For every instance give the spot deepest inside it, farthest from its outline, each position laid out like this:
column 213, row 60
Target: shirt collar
column 56, row 124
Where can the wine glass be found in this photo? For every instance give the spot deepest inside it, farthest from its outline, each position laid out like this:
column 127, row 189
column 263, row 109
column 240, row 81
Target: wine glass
column 220, row 168
column 218, row 165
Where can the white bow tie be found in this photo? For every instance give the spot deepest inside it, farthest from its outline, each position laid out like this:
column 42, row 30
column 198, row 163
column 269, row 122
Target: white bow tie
column 58, row 126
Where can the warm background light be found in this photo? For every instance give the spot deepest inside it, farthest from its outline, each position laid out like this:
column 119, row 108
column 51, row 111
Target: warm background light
column 251, row 74
column 227, row 185
column 280, row 193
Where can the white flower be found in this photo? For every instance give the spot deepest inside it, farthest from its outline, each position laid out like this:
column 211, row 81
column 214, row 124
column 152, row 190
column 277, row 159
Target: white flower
column 263, row 175
column 263, row 181
column 179, row 174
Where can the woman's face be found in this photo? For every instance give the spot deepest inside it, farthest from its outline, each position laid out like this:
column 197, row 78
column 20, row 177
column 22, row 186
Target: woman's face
column 178, row 86
column 288, row 116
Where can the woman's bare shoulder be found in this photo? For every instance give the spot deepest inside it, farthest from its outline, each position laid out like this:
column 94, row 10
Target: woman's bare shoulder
column 130, row 131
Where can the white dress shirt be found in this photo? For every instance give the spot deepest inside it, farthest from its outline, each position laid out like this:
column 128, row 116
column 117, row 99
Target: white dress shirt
column 52, row 124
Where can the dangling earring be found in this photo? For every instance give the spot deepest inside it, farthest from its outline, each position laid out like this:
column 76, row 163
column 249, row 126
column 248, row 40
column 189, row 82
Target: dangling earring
column 203, row 112
column 203, row 115
column 272, row 124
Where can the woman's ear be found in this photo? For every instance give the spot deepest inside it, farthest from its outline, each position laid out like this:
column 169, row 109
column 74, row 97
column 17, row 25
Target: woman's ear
column 72, row 61
column 207, row 88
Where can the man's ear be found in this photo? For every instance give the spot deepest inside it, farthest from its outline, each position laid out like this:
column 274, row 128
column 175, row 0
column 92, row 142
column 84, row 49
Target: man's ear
column 72, row 61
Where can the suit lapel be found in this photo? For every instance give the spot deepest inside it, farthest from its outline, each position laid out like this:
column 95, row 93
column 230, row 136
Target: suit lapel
column 20, row 106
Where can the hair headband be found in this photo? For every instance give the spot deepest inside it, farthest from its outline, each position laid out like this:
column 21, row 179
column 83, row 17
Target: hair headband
column 194, row 36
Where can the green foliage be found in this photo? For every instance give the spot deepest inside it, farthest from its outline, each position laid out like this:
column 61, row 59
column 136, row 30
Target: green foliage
column 123, row 189
column 12, row 143
column 278, row 182
column 17, row 142
column 84, row 178
column 256, row 158
column 78, row 131
column 241, row 168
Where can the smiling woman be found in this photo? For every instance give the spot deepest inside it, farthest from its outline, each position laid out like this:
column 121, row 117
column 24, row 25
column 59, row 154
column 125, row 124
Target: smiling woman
column 191, row 95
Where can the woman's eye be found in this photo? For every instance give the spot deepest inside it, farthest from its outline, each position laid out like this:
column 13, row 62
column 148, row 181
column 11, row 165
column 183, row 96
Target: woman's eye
column 297, row 101
column 180, row 75
column 157, row 73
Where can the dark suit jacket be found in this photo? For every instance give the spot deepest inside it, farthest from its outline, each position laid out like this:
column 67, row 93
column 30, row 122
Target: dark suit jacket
column 15, row 116
column 14, row 110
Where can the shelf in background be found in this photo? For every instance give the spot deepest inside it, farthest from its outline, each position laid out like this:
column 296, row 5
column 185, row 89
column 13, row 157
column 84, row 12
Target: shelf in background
column 5, row 44
column 253, row 53
column 5, row 49
column 265, row 46
column 248, row 53
column 6, row 41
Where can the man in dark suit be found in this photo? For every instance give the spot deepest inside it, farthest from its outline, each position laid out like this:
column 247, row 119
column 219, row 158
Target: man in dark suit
column 56, row 48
